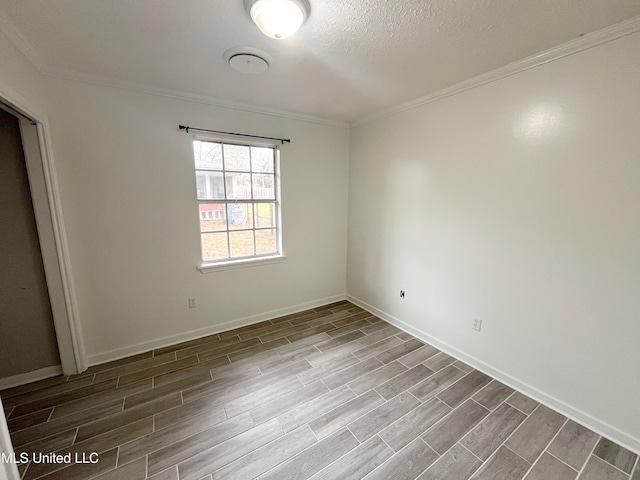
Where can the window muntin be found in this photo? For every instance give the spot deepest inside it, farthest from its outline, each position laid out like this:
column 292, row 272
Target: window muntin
column 238, row 203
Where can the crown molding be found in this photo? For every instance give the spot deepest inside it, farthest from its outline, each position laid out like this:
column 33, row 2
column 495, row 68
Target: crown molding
column 24, row 47
column 13, row 34
column 590, row 40
column 577, row 45
column 190, row 97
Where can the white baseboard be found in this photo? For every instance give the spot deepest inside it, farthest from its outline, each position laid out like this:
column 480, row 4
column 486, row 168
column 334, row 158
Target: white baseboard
column 544, row 398
column 29, row 377
column 203, row 332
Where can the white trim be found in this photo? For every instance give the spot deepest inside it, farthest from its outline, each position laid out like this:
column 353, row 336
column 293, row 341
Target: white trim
column 24, row 47
column 244, row 263
column 577, row 45
column 590, row 40
column 62, row 246
column 550, row 401
column 8, row 471
column 66, row 318
column 23, row 378
column 35, row 162
column 254, row 260
column 191, row 97
column 21, row 43
column 210, row 330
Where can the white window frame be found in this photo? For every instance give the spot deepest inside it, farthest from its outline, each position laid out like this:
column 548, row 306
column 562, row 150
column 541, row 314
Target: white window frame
column 254, row 260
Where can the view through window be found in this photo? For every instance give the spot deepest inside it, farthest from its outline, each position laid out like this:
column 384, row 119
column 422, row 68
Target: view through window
column 238, row 200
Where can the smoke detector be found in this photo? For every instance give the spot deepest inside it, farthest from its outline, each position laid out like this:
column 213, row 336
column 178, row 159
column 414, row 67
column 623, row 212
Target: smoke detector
column 247, row 60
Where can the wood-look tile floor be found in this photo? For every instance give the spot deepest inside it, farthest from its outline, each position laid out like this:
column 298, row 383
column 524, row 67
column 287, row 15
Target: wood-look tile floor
column 328, row 393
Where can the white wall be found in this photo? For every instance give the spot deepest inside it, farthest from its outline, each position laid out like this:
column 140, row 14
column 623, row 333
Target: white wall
column 534, row 230
column 517, row 202
column 127, row 183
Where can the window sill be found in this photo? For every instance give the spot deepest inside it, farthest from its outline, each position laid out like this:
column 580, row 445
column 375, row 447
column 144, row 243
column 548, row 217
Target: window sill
column 234, row 264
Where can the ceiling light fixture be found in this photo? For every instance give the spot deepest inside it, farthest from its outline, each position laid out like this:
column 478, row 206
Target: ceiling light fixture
column 278, row 19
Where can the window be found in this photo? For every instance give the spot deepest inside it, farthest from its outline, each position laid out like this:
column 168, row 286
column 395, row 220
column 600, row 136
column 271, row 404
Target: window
column 238, row 200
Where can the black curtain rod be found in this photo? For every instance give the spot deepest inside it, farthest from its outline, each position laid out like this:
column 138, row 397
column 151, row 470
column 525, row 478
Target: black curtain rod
column 187, row 128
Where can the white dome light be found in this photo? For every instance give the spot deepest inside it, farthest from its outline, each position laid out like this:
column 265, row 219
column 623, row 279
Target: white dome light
column 279, row 19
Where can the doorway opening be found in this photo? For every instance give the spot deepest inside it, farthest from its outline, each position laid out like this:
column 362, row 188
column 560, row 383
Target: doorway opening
column 28, row 345
column 54, row 345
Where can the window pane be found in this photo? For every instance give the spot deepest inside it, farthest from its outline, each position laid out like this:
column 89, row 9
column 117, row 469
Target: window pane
column 212, row 217
column 210, row 186
column 241, row 244
column 265, row 215
column 214, row 246
column 226, row 177
column 238, row 185
column 263, row 186
column 207, row 155
column 266, row 242
column 236, row 157
column 262, row 159
column 240, row 216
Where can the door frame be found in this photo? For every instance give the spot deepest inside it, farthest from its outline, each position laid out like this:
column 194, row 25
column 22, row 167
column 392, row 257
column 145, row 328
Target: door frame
column 45, row 195
column 8, row 470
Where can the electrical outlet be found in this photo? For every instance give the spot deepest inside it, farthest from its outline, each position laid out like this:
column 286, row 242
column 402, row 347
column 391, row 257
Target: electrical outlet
column 401, row 293
column 192, row 302
column 477, row 324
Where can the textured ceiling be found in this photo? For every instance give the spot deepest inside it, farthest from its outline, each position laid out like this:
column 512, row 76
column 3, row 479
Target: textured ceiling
column 350, row 59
